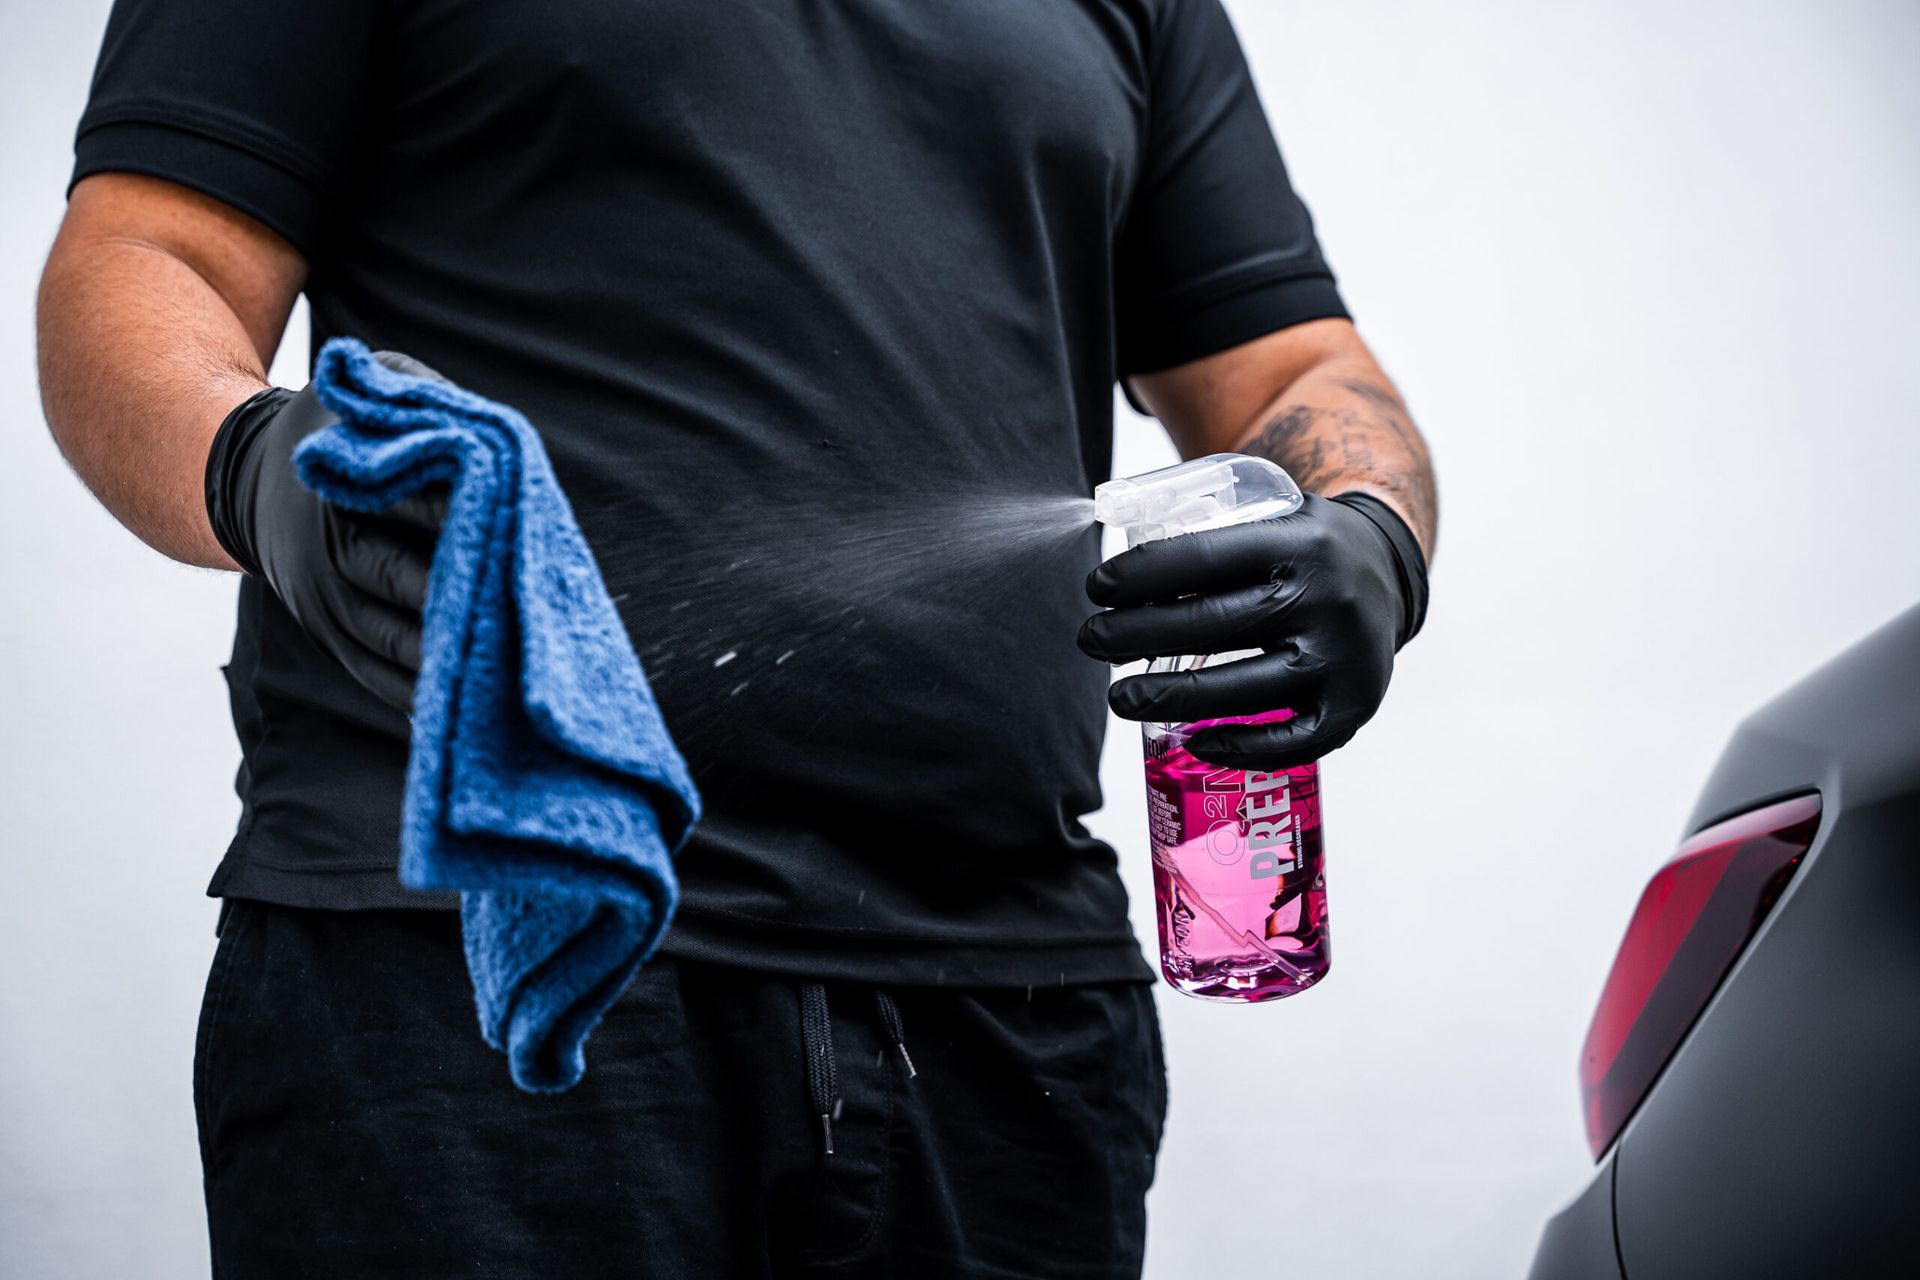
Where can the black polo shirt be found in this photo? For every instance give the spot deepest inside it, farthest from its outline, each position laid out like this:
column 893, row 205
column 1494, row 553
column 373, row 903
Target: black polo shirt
column 819, row 306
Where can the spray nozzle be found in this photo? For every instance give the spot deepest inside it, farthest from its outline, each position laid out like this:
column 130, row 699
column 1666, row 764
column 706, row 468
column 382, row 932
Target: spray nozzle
column 1221, row 488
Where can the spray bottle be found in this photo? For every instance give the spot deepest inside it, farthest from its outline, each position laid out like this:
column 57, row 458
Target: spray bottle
column 1237, row 866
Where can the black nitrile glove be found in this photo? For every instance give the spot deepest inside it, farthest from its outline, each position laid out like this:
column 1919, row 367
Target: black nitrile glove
column 355, row 582
column 1329, row 592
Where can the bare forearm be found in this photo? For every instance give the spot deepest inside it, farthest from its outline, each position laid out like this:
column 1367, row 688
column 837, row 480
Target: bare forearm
column 140, row 359
column 158, row 311
column 1342, row 427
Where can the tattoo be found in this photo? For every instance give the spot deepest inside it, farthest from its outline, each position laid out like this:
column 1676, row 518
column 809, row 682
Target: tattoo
column 1369, row 438
column 1293, row 440
column 1382, row 397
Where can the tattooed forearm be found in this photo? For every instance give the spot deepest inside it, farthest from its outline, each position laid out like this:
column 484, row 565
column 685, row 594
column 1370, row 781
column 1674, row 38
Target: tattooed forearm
column 1338, row 432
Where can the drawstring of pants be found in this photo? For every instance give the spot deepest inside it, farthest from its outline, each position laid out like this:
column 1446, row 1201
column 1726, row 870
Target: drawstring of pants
column 890, row 1022
column 816, row 1044
column 816, row 1041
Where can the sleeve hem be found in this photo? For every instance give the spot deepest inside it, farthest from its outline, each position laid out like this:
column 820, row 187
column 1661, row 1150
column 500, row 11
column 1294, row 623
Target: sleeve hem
column 224, row 162
column 284, row 153
column 1229, row 314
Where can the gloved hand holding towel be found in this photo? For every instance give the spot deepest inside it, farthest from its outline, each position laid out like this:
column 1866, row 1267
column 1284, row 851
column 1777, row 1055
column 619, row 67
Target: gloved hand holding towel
column 542, row 784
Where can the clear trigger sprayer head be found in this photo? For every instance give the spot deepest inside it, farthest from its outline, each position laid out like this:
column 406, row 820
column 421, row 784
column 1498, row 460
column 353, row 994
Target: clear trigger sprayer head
column 1219, row 489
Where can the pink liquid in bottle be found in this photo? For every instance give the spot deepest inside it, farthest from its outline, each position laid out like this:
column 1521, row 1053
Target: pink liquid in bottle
column 1238, row 875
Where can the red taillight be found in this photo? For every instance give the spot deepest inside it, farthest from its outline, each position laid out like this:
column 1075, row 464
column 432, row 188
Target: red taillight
column 1693, row 921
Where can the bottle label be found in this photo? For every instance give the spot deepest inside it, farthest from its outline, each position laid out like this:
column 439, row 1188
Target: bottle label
column 1237, row 873
column 1266, row 810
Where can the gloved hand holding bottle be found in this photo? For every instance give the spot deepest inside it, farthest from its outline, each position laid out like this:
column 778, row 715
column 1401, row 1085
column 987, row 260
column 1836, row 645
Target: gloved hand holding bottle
column 1327, row 593
column 355, row 582
column 1271, row 619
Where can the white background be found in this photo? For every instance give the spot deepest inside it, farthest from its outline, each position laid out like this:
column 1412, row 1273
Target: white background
column 1647, row 273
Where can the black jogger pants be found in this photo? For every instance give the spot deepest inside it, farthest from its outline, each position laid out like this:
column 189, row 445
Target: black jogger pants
column 353, row 1124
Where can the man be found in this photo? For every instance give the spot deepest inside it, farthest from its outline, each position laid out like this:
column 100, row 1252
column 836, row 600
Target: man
column 819, row 305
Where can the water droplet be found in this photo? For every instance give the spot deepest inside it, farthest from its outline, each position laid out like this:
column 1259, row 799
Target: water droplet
column 726, row 657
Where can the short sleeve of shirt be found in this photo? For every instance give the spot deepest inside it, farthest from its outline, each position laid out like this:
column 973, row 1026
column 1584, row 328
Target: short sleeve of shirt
column 258, row 104
column 1216, row 249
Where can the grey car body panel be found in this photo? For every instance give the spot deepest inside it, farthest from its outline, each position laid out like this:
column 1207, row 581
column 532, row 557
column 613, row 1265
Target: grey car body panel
column 1578, row 1243
column 1783, row 1139
column 1851, row 730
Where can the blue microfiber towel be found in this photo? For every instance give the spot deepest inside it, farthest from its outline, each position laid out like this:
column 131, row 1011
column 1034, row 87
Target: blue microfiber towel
column 541, row 784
